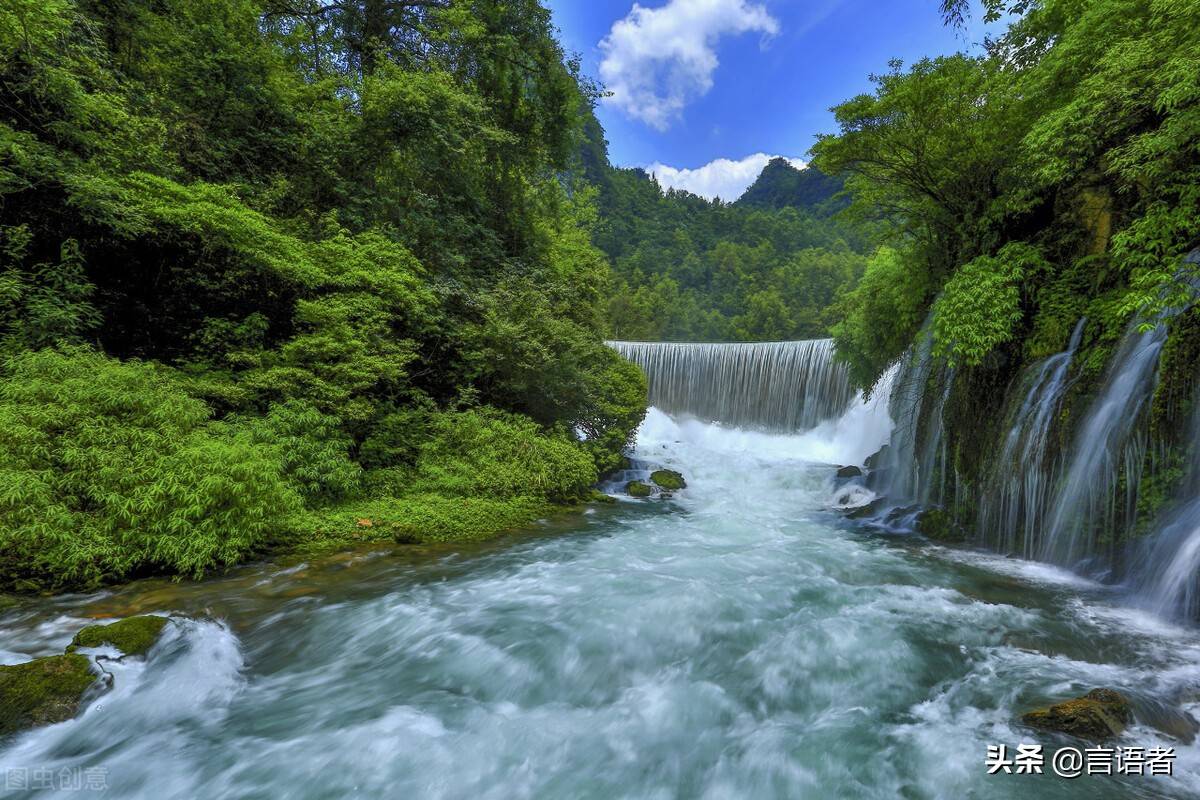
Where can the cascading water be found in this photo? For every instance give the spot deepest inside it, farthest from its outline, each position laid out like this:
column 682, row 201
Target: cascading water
column 1166, row 566
column 1108, row 445
column 1013, row 508
column 773, row 386
column 916, row 455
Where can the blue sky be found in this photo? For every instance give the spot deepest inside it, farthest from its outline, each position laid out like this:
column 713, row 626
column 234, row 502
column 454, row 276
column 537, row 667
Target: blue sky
column 705, row 90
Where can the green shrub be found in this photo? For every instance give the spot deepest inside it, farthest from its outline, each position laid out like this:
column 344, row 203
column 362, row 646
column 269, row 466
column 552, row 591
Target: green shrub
column 484, row 452
column 109, row 470
column 310, row 447
column 980, row 306
column 397, row 438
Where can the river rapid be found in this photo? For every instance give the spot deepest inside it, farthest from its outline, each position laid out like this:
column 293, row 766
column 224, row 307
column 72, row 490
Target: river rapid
column 740, row 640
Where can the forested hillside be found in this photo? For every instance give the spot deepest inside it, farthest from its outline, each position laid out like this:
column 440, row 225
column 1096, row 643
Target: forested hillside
column 276, row 272
column 766, row 268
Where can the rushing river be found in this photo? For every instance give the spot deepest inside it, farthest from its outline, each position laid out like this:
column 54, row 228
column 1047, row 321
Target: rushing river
column 738, row 641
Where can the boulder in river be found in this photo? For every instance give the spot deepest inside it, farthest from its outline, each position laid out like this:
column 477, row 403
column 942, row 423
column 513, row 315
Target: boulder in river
column 939, row 525
column 133, row 636
column 871, row 509
column 638, row 489
column 42, row 691
column 850, row 472
column 668, row 479
column 875, row 460
column 1099, row 714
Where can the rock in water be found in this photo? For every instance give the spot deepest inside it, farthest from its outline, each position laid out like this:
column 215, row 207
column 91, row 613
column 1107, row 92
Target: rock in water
column 1099, row 714
column 937, row 524
column 638, row 489
column 132, row 636
column 42, row 691
column 668, row 479
column 849, row 472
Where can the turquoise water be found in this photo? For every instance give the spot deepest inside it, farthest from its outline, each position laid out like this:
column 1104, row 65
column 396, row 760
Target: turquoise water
column 738, row 641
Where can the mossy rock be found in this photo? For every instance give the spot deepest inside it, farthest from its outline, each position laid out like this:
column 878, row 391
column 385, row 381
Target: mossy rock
column 1100, row 714
column 850, row 472
column 638, row 489
column 937, row 524
column 132, row 636
column 668, row 479
column 601, row 497
column 42, row 691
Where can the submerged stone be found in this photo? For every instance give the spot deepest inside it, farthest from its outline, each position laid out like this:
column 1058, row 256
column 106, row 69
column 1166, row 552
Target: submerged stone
column 668, row 479
column 849, row 472
column 939, row 525
column 871, row 509
column 132, row 636
column 1099, row 714
column 638, row 489
column 42, row 691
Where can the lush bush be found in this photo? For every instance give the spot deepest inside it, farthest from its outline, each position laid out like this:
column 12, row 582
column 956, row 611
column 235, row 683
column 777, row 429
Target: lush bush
column 488, row 453
column 311, row 449
column 881, row 315
column 980, row 306
column 109, row 470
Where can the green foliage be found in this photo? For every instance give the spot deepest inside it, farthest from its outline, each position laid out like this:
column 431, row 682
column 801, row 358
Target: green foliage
column 1076, row 133
column 295, row 234
column 765, row 268
column 110, row 470
column 417, row 519
column 980, row 306
column 310, row 448
column 880, row 316
column 486, row 453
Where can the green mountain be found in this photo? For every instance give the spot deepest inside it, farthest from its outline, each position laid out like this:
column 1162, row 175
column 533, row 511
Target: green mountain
column 780, row 185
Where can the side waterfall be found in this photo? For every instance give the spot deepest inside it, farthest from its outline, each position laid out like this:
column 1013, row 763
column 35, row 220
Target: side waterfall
column 775, row 386
column 1110, row 443
column 915, row 464
column 1167, row 564
column 1012, row 510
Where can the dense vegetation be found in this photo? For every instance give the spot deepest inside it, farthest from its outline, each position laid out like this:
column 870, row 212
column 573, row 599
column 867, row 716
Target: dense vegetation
column 765, row 268
column 273, row 270
column 1053, row 178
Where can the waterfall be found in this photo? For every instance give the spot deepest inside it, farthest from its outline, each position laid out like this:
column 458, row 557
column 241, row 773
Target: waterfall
column 1166, row 566
column 1012, row 510
column 916, row 455
column 1109, row 444
column 775, row 386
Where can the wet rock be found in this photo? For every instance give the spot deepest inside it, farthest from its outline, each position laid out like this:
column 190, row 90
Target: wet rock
column 1169, row 718
column 668, row 479
column 937, row 524
column 871, row 509
column 638, row 489
column 42, row 691
column 601, row 497
column 132, row 636
column 875, row 460
column 850, row 472
column 1099, row 714
column 877, row 479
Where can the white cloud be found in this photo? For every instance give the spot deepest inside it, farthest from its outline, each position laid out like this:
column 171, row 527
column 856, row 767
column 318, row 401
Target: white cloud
column 657, row 60
column 722, row 178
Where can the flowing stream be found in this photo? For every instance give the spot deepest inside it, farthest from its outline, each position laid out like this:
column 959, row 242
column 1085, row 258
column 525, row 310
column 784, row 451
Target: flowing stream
column 737, row 641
